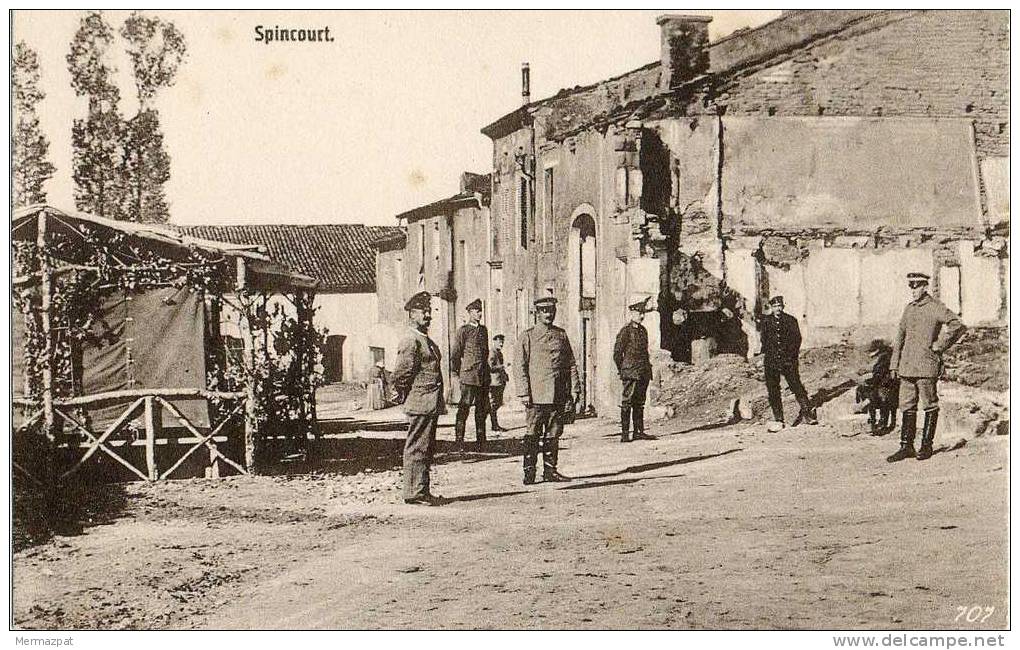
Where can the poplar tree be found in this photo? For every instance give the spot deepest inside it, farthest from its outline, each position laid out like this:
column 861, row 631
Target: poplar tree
column 99, row 170
column 156, row 49
column 29, row 147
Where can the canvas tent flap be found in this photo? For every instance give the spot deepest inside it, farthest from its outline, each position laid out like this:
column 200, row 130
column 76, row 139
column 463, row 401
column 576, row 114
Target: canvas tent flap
column 852, row 173
column 152, row 339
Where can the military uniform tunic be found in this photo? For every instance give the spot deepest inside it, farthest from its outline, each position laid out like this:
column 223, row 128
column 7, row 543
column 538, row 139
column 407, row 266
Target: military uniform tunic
column 780, row 345
column 633, row 363
column 545, row 370
column 917, row 353
column 469, row 354
column 469, row 358
column 419, row 384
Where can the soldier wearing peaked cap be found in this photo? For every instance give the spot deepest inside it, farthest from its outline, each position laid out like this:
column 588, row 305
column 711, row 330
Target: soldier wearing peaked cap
column 546, row 377
column 469, row 362
column 635, row 368
column 927, row 329
column 418, row 382
column 780, row 345
column 497, row 380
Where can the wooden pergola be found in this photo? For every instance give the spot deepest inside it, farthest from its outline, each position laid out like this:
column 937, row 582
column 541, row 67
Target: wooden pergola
column 67, row 265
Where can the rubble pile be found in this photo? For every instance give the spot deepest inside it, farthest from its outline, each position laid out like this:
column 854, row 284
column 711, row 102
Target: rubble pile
column 694, row 390
column 980, row 359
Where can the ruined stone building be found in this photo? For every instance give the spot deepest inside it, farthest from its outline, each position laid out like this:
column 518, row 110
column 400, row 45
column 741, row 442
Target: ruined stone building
column 820, row 156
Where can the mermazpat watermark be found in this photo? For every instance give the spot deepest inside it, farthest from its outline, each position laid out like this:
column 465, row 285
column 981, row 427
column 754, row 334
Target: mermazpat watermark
column 277, row 34
column 44, row 641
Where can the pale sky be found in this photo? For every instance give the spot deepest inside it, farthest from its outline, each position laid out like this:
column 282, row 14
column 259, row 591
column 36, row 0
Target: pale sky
column 381, row 120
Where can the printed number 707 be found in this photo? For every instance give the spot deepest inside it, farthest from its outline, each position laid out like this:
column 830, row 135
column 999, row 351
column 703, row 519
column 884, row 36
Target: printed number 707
column 975, row 614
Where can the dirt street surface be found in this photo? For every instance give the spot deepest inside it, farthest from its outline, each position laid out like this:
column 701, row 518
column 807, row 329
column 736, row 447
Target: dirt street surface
column 711, row 526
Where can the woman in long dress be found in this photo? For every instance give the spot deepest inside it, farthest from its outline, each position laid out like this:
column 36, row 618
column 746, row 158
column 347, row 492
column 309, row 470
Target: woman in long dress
column 377, row 387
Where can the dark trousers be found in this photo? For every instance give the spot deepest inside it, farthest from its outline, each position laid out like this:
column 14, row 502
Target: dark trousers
column 545, row 424
column 418, row 450
column 477, row 397
column 495, row 401
column 791, row 371
column 635, row 391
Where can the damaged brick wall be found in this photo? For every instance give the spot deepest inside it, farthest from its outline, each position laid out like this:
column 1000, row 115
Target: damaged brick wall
column 903, row 63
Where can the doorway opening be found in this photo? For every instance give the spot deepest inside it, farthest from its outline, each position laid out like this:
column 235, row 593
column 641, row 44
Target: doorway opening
column 585, row 267
column 333, row 359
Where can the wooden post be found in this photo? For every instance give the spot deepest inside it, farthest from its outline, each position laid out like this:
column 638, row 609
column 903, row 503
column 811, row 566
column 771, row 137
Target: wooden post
column 153, row 430
column 49, row 415
column 213, row 471
column 252, row 424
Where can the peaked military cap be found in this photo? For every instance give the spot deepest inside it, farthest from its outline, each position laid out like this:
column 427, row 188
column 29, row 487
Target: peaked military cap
column 640, row 305
column 916, row 276
column 475, row 304
column 499, row 336
column 545, row 301
column 777, row 300
column 421, row 300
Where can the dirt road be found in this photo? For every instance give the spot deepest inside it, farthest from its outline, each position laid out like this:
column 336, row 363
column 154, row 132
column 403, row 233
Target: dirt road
column 726, row 527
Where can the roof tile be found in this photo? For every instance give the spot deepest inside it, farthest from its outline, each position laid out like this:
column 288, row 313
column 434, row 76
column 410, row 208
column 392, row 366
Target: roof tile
column 340, row 256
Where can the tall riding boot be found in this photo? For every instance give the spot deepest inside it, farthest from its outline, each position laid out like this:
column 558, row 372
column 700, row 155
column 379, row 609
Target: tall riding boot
column 530, row 459
column 931, row 420
column 550, row 456
column 493, row 420
column 480, row 427
column 908, row 429
column 639, row 424
column 624, row 424
column 459, row 425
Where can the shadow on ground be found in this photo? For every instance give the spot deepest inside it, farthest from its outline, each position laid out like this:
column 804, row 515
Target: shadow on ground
column 77, row 507
column 345, row 456
column 619, row 481
column 647, row 467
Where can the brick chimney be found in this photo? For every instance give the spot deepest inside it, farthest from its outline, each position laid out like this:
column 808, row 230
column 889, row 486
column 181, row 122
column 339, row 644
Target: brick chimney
column 684, row 48
column 525, row 83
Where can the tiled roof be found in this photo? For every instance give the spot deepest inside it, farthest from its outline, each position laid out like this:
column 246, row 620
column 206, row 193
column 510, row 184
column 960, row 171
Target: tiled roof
column 340, row 256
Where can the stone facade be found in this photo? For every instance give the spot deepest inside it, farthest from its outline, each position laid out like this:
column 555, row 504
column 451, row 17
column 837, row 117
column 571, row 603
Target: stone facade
column 655, row 183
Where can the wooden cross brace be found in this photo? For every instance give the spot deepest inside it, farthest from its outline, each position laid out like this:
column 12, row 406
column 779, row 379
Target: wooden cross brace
column 205, row 440
column 98, row 443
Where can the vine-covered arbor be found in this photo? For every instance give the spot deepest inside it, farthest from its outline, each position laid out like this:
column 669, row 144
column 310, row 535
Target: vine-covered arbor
column 143, row 354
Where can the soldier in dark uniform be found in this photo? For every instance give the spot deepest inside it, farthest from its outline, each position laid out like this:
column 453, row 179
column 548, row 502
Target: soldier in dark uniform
column 418, row 382
column 632, row 362
column 469, row 362
column 497, row 380
column 917, row 361
column 545, row 374
column 780, row 344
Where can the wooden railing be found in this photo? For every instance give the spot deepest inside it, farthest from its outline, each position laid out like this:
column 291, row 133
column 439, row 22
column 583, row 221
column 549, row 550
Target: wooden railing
column 147, row 403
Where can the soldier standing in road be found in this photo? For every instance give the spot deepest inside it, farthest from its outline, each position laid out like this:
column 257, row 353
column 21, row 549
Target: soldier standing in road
column 632, row 362
column 545, row 374
column 497, row 380
column 418, row 382
column 780, row 344
column 469, row 362
column 917, row 360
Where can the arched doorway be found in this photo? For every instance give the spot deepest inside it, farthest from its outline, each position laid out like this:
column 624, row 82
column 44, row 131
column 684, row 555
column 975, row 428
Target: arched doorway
column 583, row 270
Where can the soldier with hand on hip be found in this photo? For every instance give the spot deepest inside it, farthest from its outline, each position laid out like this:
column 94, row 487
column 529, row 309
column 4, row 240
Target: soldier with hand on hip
column 635, row 367
column 418, row 382
column 469, row 362
column 917, row 361
column 780, row 345
column 546, row 377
